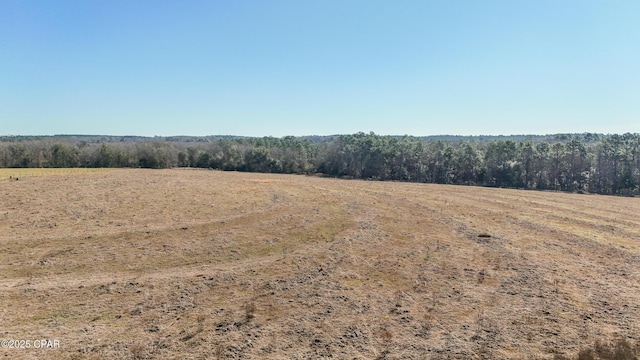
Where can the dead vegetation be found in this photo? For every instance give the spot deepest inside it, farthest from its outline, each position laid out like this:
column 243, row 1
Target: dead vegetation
column 145, row 264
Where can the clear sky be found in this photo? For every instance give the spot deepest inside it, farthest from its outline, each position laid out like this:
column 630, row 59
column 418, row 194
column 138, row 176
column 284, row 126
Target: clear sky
column 305, row 67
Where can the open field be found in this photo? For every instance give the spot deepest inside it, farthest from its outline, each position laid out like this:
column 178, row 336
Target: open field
column 177, row 264
column 22, row 172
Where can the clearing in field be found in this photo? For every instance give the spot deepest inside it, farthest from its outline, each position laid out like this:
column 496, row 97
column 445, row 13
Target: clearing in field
column 183, row 263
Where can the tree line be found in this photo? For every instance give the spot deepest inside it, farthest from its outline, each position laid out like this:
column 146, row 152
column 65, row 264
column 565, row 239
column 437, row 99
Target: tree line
column 594, row 163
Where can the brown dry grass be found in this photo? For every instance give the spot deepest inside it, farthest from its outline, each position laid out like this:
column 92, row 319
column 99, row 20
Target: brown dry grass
column 28, row 172
column 172, row 264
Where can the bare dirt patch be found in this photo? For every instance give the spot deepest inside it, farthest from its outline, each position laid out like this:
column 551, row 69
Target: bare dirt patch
column 144, row 264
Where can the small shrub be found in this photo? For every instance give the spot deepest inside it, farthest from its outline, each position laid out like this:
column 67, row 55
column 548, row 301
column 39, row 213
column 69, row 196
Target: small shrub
column 481, row 276
column 137, row 350
column 386, row 334
column 250, row 310
column 560, row 357
column 218, row 351
column 201, row 319
column 383, row 354
column 619, row 349
column 586, row 354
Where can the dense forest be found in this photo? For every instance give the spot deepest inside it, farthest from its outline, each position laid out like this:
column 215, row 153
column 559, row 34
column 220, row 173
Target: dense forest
column 594, row 163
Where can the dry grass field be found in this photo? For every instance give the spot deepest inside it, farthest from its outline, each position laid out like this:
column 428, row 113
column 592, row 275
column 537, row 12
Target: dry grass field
column 198, row 264
column 22, row 172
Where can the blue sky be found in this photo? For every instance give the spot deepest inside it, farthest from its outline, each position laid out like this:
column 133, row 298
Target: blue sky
column 259, row 68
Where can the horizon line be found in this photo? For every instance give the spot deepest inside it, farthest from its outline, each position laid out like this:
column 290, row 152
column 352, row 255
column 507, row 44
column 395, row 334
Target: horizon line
column 311, row 135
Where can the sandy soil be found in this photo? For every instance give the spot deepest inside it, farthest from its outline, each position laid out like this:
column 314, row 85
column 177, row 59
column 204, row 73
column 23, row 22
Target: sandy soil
column 198, row 264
